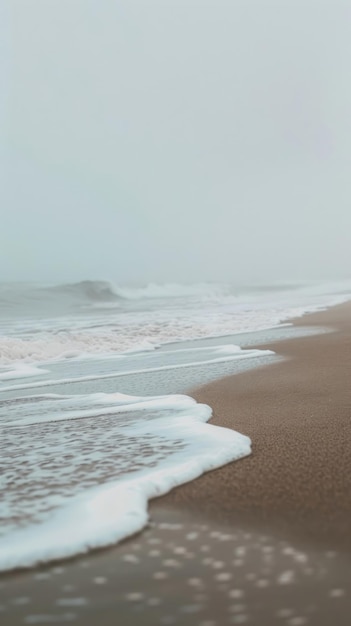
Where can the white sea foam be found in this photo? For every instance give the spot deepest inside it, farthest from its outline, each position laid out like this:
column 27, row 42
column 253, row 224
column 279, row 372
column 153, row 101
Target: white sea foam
column 21, row 371
column 146, row 317
column 183, row 446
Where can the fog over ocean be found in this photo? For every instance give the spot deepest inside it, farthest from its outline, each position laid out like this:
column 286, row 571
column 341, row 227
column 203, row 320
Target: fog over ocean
column 175, row 189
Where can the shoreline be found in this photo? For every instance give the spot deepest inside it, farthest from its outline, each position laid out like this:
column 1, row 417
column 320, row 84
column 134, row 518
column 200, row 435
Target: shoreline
column 264, row 540
column 297, row 413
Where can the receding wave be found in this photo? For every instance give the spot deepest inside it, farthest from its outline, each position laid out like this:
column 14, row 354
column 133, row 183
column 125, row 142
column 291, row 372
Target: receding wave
column 92, row 477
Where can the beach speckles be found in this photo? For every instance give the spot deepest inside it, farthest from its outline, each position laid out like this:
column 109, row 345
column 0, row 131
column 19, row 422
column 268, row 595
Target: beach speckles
column 180, row 550
column 226, row 537
column 214, row 534
column 192, row 536
column 223, row 577
column 300, row 557
column 171, row 563
column 135, row 596
column 72, row 602
column 288, row 550
column 131, row 558
column 50, row 618
column 160, row 575
column 286, row 578
column 218, row 564
column 193, row 582
column 236, row 593
column 100, row 580
column 337, row 593
column 285, row 613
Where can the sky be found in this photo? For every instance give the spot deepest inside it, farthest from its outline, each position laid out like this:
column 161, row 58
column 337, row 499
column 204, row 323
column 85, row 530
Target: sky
column 175, row 140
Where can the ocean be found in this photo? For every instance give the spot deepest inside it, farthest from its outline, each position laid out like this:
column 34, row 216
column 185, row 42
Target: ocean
column 94, row 412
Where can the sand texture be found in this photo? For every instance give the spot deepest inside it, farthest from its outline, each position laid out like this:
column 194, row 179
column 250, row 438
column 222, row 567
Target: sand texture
column 298, row 414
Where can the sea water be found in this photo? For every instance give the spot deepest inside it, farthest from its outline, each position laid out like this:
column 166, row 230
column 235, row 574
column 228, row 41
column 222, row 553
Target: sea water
column 92, row 415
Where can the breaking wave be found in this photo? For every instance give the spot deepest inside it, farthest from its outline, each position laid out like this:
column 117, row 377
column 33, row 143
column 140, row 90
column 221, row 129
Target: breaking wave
column 91, row 290
column 29, row 298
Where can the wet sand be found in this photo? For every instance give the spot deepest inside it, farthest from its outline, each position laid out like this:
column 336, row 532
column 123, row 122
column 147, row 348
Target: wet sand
column 264, row 541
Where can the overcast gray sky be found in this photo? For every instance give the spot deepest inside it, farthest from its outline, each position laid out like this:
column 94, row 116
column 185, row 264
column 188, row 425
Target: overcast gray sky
column 183, row 140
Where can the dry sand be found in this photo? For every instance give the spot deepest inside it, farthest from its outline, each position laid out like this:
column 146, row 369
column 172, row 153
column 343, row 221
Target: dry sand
column 263, row 541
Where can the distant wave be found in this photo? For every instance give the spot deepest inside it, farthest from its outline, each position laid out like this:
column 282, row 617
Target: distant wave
column 32, row 298
column 22, row 299
column 28, row 297
column 94, row 290
column 104, row 292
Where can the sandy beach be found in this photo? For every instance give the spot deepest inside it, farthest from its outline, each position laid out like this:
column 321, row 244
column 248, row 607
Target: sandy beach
column 297, row 413
column 265, row 540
